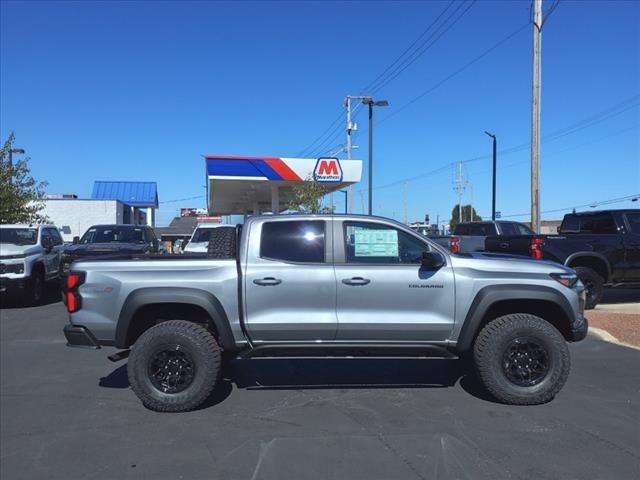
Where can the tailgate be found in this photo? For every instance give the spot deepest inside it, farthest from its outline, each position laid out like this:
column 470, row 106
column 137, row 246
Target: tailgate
column 512, row 244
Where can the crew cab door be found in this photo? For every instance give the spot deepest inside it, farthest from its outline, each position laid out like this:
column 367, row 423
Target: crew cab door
column 289, row 281
column 383, row 293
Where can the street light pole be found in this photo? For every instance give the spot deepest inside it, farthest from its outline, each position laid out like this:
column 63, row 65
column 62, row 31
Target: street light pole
column 19, row 151
column 371, row 103
column 493, row 203
column 346, row 199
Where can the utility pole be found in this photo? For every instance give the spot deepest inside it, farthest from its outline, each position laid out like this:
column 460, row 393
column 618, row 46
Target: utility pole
column 459, row 186
column 347, row 102
column 404, row 198
column 493, row 197
column 535, row 117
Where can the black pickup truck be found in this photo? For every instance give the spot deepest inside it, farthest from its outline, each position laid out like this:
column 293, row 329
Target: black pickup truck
column 602, row 247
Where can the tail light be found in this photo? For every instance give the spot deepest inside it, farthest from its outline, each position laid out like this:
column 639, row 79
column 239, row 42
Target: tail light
column 72, row 298
column 454, row 244
column 535, row 247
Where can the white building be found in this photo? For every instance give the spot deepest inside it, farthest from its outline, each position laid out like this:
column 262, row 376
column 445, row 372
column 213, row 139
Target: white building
column 75, row 216
column 111, row 202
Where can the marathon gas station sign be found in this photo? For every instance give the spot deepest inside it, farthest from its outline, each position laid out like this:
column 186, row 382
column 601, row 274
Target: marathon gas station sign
column 243, row 184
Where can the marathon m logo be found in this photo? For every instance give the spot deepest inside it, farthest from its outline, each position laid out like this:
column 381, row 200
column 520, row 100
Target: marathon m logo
column 327, row 170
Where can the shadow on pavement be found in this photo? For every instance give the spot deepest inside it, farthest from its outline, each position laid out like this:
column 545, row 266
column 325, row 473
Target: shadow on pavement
column 621, row 295
column 52, row 295
column 301, row 374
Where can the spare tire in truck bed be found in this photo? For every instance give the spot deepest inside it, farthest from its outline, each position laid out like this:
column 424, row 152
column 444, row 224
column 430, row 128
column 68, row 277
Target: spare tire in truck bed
column 222, row 243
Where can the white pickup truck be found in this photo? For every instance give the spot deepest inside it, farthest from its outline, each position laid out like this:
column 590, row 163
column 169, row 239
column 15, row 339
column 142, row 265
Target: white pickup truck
column 29, row 257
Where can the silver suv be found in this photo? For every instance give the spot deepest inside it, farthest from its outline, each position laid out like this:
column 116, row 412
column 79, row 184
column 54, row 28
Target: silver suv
column 29, row 257
column 298, row 285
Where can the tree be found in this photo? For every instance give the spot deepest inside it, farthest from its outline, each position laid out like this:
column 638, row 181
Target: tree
column 21, row 196
column 307, row 197
column 468, row 214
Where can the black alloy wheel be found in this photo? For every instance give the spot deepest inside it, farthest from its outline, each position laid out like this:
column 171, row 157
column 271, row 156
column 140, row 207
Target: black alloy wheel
column 171, row 369
column 525, row 362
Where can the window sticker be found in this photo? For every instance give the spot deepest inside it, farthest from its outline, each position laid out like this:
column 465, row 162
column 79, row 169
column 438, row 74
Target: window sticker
column 375, row 242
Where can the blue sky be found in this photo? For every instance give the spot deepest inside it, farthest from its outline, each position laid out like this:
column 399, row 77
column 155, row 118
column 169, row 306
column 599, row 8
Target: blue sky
column 139, row 90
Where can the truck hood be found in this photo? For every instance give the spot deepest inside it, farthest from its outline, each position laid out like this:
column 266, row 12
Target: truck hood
column 506, row 263
column 10, row 250
column 104, row 249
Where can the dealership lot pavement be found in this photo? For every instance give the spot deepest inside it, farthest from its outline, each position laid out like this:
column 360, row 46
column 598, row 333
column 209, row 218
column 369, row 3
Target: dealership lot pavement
column 69, row 414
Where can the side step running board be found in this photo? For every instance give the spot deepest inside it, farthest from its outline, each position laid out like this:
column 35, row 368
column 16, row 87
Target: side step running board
column 347, row 350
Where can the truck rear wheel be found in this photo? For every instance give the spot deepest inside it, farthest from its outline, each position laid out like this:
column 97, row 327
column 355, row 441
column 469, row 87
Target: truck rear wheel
column 521, row 359
column 222, row 243
column 174, row 366
column 593, row 284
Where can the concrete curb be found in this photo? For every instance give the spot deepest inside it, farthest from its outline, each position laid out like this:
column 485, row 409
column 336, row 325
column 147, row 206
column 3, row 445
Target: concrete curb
column 605, row 336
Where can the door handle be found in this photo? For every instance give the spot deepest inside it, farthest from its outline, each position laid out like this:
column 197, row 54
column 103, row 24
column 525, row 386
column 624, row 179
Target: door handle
column 268, row 281
column 504, row 245
column 356, row 281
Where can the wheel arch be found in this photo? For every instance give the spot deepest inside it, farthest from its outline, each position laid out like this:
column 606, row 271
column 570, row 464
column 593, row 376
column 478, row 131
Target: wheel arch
column 592, row 260
column 143, row 307
column 495, row 301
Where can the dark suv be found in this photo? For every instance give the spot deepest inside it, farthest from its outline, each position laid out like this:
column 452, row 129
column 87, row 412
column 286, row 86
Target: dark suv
column 111, row 240
column 603, row 247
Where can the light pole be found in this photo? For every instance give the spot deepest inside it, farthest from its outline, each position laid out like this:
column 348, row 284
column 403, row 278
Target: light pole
column 19, row 151
column 346, row 196
column 371, row 103
column 493, row 203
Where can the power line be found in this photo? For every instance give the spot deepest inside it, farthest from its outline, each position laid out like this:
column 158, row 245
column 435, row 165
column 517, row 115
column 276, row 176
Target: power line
column 456, row 72
column 435, row 40
column 182, row 199
column 591, row 205
column 384, row 78
column 409, row 47
column 602, row 116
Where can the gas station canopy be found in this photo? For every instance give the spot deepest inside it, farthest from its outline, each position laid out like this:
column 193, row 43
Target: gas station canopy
column 241, row 185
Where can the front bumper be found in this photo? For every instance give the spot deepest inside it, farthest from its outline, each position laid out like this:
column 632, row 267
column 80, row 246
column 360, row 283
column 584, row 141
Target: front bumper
column 580, row 332
column 80, row 337
column 13, row 284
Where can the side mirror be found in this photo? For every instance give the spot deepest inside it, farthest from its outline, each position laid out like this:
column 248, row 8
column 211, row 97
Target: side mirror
column 76, row 240
column 432, row 260
column 558, row 229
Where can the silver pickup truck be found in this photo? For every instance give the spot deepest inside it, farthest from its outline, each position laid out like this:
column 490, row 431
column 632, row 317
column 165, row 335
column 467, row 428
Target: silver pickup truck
column 326, row 285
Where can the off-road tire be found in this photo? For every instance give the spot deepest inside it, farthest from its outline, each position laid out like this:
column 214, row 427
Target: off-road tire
column 36, row 288
column 198, row 342
column 222, row 243
column 492, row 344
column 593, row 284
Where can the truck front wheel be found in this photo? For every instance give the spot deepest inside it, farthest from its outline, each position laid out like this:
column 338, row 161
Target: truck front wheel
column 174, row 366
column 521, row 359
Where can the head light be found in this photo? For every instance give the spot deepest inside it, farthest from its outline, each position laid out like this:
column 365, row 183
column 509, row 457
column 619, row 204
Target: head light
column 566, row 279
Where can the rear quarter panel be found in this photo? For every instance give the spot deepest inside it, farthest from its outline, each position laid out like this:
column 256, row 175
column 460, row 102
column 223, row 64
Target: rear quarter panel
column 108, row 284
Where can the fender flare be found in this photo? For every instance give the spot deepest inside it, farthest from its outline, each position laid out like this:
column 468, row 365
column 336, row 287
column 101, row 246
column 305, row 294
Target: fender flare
column 188, row 296
column 599, row 256
column 490, row 295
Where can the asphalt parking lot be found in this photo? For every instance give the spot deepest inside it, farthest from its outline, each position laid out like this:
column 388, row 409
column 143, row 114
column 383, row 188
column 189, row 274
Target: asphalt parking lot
column 69, row 414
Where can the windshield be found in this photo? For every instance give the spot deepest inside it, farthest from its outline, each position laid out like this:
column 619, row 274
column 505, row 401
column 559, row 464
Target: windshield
column 19, row 236
column 201, row 235
column 112, row 234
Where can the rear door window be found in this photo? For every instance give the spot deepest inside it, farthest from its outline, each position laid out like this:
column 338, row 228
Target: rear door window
column 508, row 229
column 634, row 222
column 598, row 224
column 299, row 241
